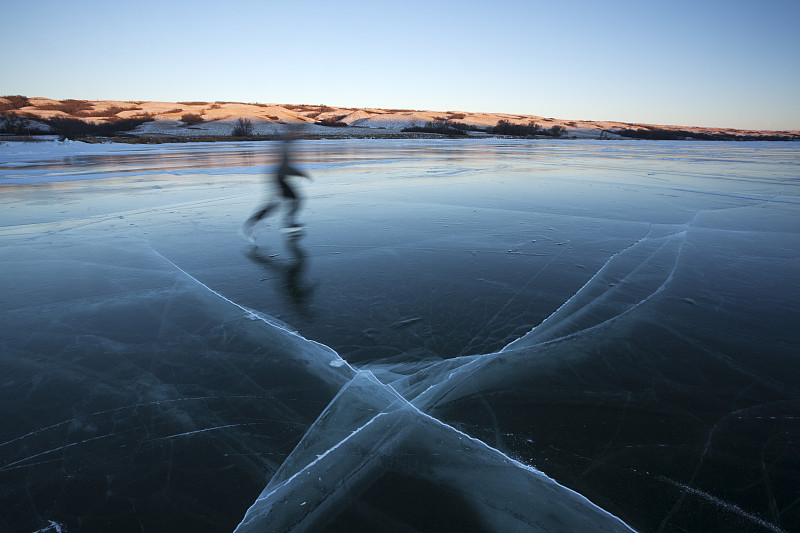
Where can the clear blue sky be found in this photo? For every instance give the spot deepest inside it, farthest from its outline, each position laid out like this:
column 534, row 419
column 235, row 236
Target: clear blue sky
column 727, row 63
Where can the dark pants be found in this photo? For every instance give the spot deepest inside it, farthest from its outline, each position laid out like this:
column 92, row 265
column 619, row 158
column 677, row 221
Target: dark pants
column 264, row 212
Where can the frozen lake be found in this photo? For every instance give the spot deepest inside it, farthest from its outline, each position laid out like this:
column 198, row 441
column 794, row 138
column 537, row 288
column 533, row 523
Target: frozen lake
column 477, row 335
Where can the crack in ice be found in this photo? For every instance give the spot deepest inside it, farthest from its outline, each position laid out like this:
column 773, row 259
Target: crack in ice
column 732, row 507
column 255, row 315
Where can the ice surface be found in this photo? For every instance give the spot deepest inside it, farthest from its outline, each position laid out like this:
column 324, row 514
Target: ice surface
column 500, row 335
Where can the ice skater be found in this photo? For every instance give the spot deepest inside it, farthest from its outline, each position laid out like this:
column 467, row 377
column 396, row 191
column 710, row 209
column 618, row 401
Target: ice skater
column 284, row 192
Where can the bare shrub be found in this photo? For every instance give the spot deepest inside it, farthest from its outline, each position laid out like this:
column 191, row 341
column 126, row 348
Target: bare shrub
column 71, row 128
column 530, row 129
column 660, row 134
column 110, row 112
column 464, row 126
column 17, row 125
column 69, row 106
column 192, row 118
column 115, row 110
column 441, row 128
column 15, row 101
column 243, row 128
column 504, row 127
column 333, row 122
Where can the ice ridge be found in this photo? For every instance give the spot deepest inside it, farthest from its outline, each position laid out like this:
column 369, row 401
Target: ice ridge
column 251, row 314
column 382, row 434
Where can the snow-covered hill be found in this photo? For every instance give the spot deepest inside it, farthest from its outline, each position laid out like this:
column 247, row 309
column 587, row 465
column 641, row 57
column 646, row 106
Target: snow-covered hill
column 203, row 119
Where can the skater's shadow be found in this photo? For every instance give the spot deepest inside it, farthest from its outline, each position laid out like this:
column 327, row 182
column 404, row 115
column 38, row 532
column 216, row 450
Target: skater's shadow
column 289, row 273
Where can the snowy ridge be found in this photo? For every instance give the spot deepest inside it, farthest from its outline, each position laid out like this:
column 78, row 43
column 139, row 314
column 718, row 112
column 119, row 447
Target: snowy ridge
column 219, row 118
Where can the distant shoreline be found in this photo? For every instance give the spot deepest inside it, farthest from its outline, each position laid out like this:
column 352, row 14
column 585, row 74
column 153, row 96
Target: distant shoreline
column 134, row 139
column 24, row 118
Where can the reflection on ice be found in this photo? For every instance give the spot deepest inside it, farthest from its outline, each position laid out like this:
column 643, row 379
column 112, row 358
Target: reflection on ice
column 620, row 315
column 291, row 274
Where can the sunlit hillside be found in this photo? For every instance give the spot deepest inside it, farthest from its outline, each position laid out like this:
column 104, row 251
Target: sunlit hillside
column 74, row 118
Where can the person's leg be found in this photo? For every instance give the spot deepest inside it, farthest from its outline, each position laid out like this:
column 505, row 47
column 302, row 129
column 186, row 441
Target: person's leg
column 294, row 207
column 263, row 212
column 260, row 214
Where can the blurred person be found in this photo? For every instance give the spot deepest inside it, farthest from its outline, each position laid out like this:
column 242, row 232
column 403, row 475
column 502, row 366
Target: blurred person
column 284, row 192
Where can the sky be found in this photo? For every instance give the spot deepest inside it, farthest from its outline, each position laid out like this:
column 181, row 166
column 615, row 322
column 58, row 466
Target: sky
column 722, row 63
